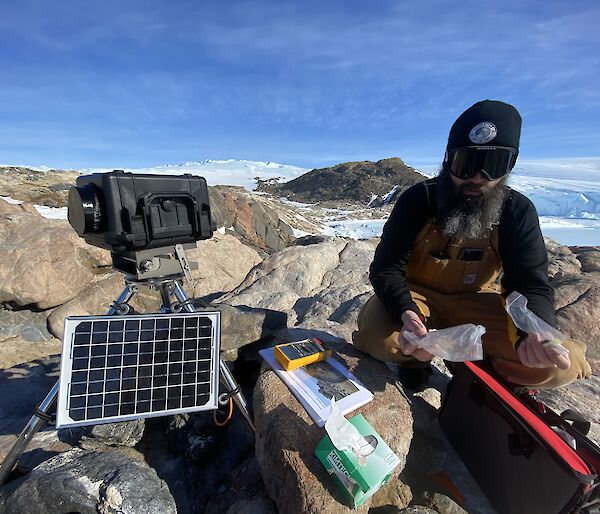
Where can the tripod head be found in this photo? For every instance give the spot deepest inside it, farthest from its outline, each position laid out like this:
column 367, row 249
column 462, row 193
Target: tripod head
column 155, row 262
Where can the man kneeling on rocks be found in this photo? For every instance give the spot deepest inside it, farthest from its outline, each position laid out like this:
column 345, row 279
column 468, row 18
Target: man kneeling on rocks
column 442, row 249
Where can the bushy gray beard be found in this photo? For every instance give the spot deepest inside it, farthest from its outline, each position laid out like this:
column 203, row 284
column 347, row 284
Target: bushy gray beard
column 462, row 216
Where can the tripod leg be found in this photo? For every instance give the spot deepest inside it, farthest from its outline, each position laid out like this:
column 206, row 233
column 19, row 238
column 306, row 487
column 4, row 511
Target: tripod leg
column 226, row 375
column 33, row 426
column 39, row 418
column 124, row 297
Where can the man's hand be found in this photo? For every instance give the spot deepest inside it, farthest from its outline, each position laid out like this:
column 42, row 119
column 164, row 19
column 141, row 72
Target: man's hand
column 533, row 353
column 412, row 323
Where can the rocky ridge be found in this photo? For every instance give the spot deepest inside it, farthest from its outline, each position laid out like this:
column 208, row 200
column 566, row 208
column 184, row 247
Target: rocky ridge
column 355, row 182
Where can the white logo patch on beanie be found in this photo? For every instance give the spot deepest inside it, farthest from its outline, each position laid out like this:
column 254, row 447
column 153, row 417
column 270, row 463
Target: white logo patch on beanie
column 483, row 132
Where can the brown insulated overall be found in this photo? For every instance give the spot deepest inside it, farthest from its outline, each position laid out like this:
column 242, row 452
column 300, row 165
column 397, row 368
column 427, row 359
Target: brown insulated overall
column 450, row 291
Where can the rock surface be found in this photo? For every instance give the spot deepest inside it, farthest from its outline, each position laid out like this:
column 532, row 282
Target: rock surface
column 26, row 324
column 40, row 187
column 286, row 437
column 16, row 350
column 318, row 286
column 125, row 433
column 252, row 219
column 246, row 493
column 576, row 280
column 22, row 387
column 43, row 262
column 90, row 482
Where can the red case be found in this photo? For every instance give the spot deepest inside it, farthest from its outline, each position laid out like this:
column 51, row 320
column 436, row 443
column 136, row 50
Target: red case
column 518, row 460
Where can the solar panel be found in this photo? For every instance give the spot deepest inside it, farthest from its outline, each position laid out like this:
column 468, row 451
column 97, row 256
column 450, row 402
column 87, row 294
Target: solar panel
column 118, row 368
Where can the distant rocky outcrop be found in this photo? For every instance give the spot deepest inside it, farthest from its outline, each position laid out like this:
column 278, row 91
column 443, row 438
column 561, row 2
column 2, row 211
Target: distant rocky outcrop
column 351, row 182
column 49, row 188
column 249, row 218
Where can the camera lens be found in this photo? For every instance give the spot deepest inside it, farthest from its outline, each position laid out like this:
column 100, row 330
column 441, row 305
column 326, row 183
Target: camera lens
column 85, row 209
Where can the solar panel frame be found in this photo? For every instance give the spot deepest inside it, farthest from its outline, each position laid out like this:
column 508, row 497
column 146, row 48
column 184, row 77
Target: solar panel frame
column 125, row 367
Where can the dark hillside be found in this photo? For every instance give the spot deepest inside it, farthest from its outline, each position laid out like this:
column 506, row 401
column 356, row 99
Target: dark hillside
column 350, row 181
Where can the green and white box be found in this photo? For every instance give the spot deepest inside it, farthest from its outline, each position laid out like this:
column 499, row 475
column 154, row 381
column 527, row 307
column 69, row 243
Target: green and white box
column 358, row 481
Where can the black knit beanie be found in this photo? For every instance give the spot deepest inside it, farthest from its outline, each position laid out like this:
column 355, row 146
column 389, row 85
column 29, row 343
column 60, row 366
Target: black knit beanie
column 487, row 123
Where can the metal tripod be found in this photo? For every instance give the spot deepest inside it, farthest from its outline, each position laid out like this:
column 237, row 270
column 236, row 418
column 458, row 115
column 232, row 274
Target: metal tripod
column 168, row 287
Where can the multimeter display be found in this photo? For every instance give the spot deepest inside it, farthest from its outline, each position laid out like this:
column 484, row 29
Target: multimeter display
column 300, row 353
column 300, row 349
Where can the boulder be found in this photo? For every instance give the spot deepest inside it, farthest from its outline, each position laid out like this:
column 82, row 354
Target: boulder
column 286, row 436
column 322, row 285
column 97, row 298
column 242, row 325
column 195, row 435
column 589, row 257
column 577, row 299
column 441, row 503
column 15, row 350
column 289, row 275
column 90, row 482
column 246, row 494
column 562, row 261
column 125, row 433
column 28, row 325
column 223, row 262
column 259, row 505
column 43, row 262
column 412, row 509
column 17, row 208
column 255, row 222
column 194, row 459
column 22, row 388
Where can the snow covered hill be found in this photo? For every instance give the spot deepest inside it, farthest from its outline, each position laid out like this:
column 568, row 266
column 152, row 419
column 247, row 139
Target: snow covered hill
column 225, row 172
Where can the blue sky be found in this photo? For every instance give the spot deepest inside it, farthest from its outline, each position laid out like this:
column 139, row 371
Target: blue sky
column 134, row 83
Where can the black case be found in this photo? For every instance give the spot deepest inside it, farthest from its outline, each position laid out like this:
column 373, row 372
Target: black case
column 520, row 463
column 136, row 217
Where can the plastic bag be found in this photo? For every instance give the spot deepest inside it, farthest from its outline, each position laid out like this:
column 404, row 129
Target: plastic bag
column 345, row 436
column 455, row 344
column 527, row 321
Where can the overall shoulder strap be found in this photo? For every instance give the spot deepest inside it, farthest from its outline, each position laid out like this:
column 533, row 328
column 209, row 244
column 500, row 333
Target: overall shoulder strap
column 426, row 184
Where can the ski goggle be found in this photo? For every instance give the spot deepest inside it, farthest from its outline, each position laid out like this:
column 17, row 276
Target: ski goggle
column 492, row 161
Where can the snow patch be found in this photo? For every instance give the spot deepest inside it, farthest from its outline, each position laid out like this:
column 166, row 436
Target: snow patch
column 10, row 200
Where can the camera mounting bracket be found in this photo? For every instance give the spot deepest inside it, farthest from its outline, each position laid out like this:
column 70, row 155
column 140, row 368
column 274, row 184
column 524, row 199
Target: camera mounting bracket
column 155, row 262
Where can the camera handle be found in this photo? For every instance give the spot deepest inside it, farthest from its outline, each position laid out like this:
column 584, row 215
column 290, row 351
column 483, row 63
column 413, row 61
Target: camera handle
column 167, row 287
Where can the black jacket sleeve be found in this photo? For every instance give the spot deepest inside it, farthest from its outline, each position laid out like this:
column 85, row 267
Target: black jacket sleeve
column 524, row 257
column 387, row 274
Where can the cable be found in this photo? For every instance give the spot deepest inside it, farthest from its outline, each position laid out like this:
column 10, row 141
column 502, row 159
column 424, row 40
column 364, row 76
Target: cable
column 228, row 417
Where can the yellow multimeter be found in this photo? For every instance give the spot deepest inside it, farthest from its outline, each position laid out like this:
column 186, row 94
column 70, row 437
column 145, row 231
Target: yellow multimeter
column 300, row 353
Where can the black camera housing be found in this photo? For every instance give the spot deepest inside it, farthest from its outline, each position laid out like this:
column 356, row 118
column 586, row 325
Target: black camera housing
column 126, row 212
